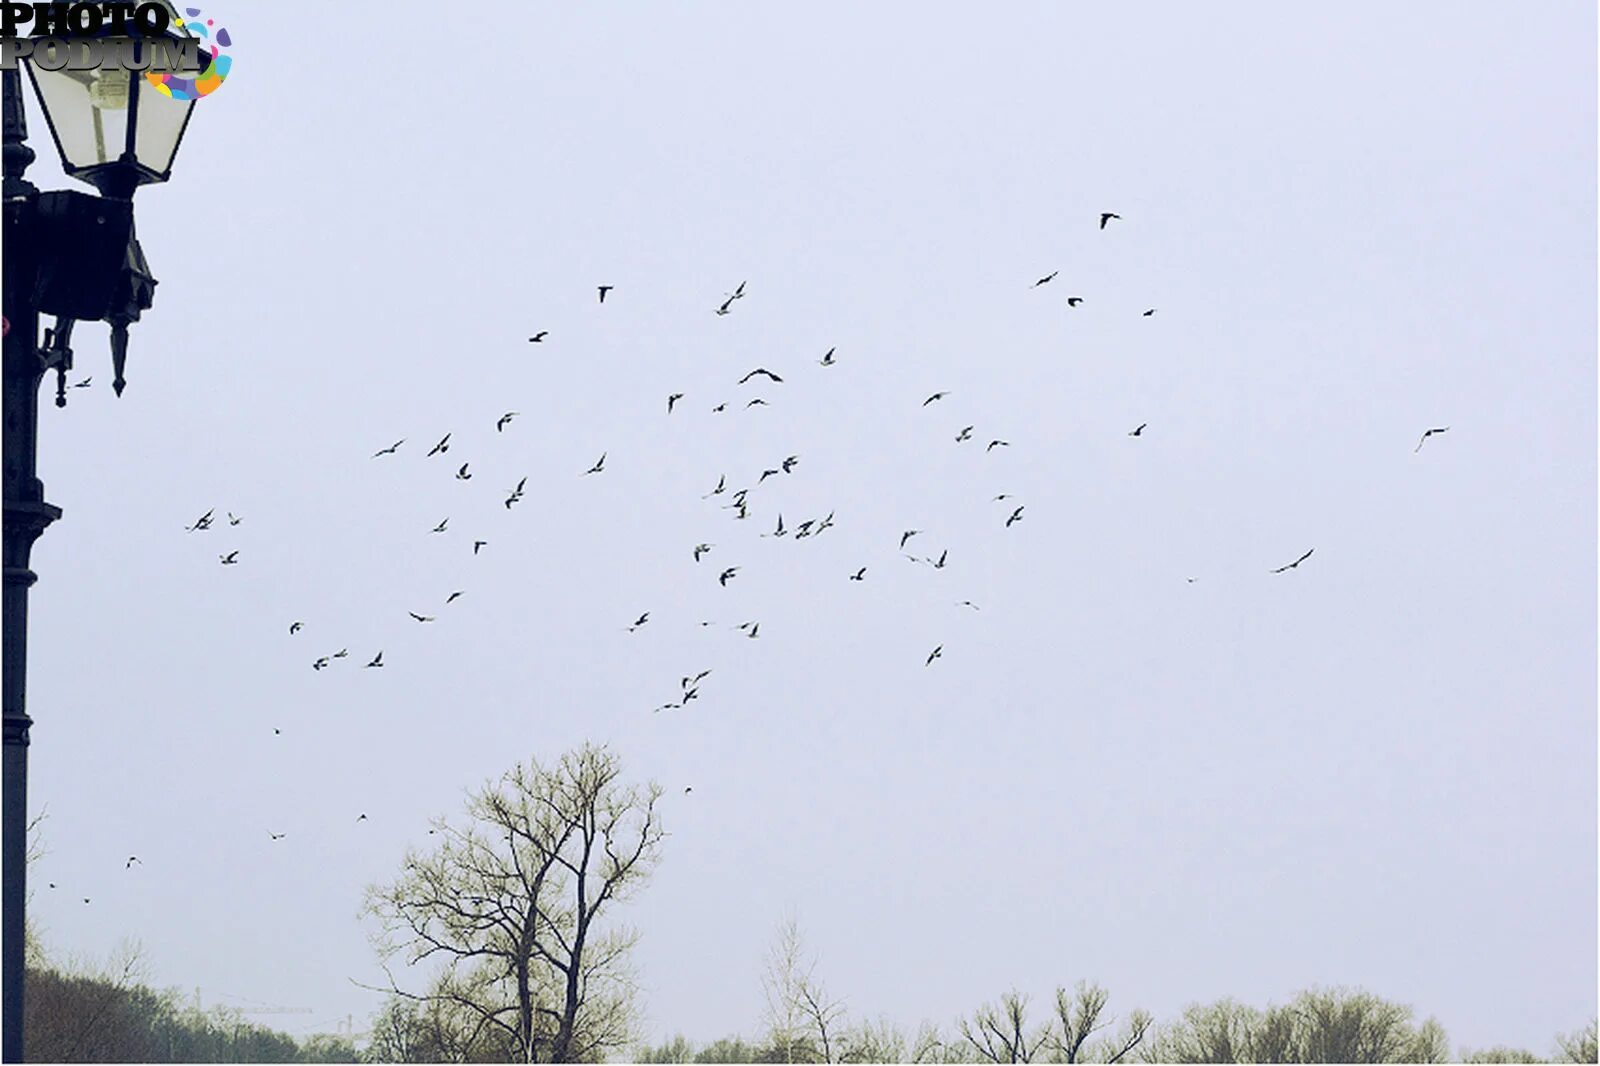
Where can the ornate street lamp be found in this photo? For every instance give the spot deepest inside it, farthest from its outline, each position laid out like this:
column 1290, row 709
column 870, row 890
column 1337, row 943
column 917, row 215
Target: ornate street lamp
column 72, row 255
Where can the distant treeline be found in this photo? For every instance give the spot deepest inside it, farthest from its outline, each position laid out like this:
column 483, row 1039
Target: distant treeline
column 102, row 1018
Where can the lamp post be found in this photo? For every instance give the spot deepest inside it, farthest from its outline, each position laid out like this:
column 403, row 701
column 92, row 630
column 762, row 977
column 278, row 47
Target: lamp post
column 72, row 255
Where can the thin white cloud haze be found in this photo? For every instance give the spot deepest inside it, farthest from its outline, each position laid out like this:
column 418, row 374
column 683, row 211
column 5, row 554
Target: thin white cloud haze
column 1355, row 221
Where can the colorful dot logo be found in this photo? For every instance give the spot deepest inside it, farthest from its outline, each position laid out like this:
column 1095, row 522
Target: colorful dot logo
column 214, row 41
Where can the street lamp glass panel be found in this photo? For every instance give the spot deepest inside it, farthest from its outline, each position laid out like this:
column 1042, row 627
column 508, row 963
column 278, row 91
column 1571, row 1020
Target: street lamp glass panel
column 159, row 129
column 88, row 112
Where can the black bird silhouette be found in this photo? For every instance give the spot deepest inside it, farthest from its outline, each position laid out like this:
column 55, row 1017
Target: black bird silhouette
column 780, row 530
column 538, row 338
column 131, row 860
column 599, row 465
column 203, row 522
column 907, row 535
column 674, row 398
column 603, row 290
column 738, row 498
column 342, row 653
column 726, row 576
column 84, row 384
column 643, row 618
column 462, row 475
column 1425, row 437
column 295, row 627
column 478, row 544
column 320, row 664
column 687, row 789
column 377, row 660
column 1074, row 301
column 935, row 396
column 1148, row 313
column 1016, row 516
column 452, row 598
column 757, row 400
column 1297, row 562
column 997, row 444
column 420, row 617
column 725, row 305
column 942, row 557
column 790, row 463
column 440, row 527
column 754, row 630
column 1107, row 216
column 965, row 434
column 760, row 370
column 696, row 679
column 699, row 550
column 231, row 558
column 233, row 519
column 722, row 483
column 1140, row 430
column 936, row 653
column 720, row 408
column 362, row 818
column 390, row 450
column 766, row 474
column 1002, row 496
column 737, row 294
column 1046, row 278
column 270, row 833
column 504, row 420
column 515, row 494
column 442, row 446
column 859, row 575
column 968, row 603
column 827, row 358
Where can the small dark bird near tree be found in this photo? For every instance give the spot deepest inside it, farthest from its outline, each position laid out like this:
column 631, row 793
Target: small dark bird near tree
column 859, row 575
column 229, row 559
column 1107, row 216
column 936, row 653
column 131, row 860
column 420, row 617
column 965, row 434
column 790, row 463
column 687, row 789
column 780, row 531
column 939, row 565
column 603, row 290
column 440, row 527
column 600, row 464
column 907, row 535
column 452, row 598
column 997, row 444
column 642, row 619
column 295, row 627
column 699, row 550
column 935, row 396
column 86, row 899
column 270, row 833
column 722, row 483
column 84, row 384
column 968, row 603
column 1148, row 313
column 233, row 519
column 1003, row 496
column 462, row 475
column 1140, row 430
column 760, row 370
column 1048, row 277
column 321, row 664
column 754, row 629
column 442, row 446
column 362, row 818
column 377, row 660
column 1425, row 436
column 538, row 338
column 827, row 357
column 203, row 522
column 504, row 420
column 390, row 450
column 727, row 576
column 1016, row 516
column 478, row 544
column 719, row 408
column 757, row 400
column 1074, row 301
column 766, row 474
column 342, row 653
column 1297, row 562
column 674, row 398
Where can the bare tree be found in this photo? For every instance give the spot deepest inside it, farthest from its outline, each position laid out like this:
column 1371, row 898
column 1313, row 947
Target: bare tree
column 509, row 904
column 1000, row 1033
column 1079, row 1017
column 803, row 1020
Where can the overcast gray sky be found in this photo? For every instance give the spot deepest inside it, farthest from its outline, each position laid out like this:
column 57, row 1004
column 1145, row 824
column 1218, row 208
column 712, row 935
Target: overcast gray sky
column 1356, row 221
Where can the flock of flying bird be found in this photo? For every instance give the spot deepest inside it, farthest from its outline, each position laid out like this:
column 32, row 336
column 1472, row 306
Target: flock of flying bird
column 738, row 503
